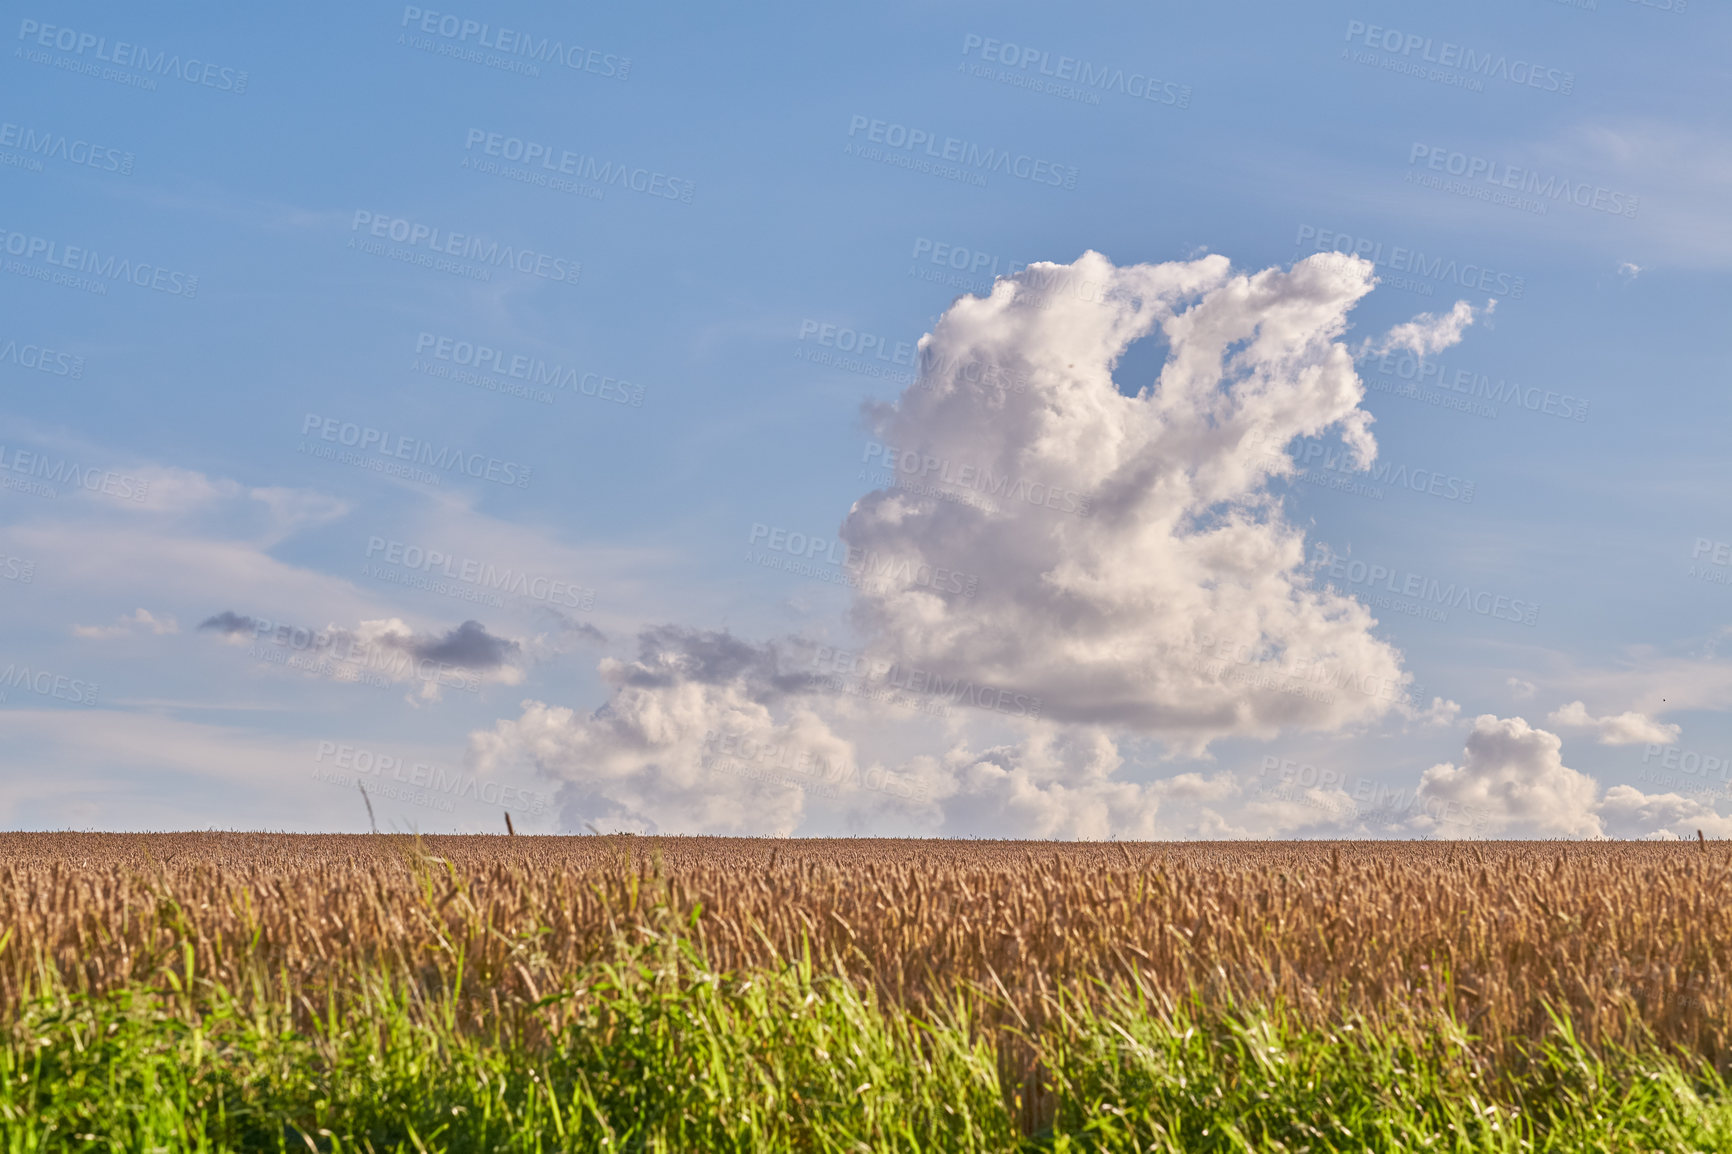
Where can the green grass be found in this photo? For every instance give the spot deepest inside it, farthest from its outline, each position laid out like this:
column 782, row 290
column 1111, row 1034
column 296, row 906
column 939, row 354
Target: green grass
column 662, row 1053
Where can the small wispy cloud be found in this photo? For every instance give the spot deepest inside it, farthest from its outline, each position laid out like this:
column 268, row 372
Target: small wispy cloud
column 1429, row 333
column 135, row 624
column 1631, row 728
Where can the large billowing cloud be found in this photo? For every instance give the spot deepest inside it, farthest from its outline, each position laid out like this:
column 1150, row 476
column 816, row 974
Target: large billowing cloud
column 1515, row 774
column 699, row 735
column 1128, row 565
column 1131, row 568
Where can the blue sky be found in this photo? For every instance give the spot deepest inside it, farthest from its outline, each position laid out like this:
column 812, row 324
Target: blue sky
column 347, row 186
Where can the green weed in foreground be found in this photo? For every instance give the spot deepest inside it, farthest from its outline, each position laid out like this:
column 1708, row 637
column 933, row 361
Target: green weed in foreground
column 1131, row 1080
column 666, row 1055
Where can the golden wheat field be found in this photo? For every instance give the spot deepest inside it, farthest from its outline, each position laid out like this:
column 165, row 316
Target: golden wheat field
column 1634, row 940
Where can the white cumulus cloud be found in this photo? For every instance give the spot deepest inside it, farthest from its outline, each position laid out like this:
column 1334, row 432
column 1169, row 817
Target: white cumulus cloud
column 1178, row 605
column 1441, row 712
column 1514, row 775
column 1514, row 782
column 1631, row 728
column 1428, row 333
column 700, row 735
column 1630, row 813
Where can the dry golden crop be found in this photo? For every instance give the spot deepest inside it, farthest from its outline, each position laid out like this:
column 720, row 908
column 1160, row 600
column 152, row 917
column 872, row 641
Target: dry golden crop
column 1633, row 940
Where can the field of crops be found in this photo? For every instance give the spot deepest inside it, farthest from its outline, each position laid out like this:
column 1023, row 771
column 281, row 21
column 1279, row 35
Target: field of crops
column 1539, row 977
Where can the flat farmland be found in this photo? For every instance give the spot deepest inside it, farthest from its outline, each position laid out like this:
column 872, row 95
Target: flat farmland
column 1031, row 989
